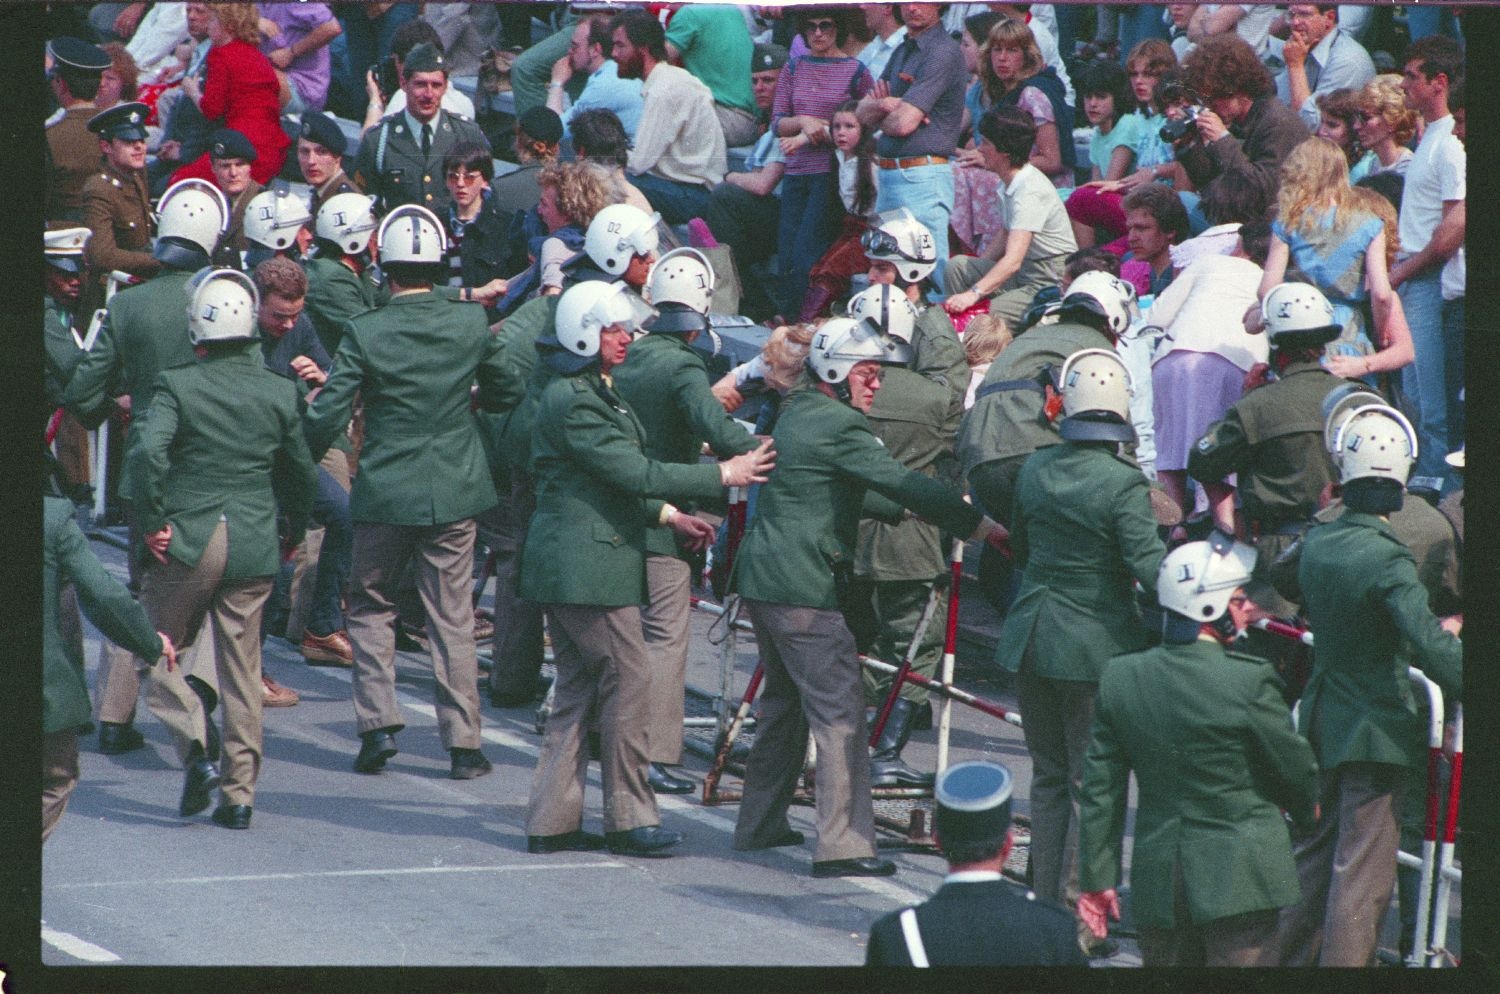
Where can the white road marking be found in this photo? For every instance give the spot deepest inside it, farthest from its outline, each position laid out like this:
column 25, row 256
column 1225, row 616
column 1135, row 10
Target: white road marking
column 314, row 875
column 76, row 947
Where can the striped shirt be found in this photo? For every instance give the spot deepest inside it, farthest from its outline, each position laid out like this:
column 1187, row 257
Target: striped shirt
column 816, row 87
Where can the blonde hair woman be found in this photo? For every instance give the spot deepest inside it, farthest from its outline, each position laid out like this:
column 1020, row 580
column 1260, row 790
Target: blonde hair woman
column 1383, row 125
column 1330, row 237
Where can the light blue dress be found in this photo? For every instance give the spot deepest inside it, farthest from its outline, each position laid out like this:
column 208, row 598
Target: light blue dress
column 1332, row 258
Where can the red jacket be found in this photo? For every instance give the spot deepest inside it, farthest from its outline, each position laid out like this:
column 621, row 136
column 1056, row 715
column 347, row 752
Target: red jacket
column 241, row 92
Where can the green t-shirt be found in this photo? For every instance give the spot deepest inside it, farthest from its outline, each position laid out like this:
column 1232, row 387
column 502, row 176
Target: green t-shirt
column 716, row 47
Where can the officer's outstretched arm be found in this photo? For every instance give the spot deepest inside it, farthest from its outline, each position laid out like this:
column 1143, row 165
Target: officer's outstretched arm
column 1438, row 653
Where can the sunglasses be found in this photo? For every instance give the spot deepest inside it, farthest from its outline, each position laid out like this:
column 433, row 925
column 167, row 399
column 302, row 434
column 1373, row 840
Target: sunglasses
column 820, row 27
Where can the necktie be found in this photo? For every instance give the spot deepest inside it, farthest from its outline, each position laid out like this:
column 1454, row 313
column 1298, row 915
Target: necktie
column 426, row 139
column 1313, row 71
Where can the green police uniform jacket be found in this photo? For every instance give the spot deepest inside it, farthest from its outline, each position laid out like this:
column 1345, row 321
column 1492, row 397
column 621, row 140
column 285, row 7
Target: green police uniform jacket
column 1273, row 439
column 336, row 293
column 807, row 515
column 390, row 164
column 332, row 186
column 62, row 352
column 510, row 430
column 413, row 361
column 117, row 212
column 1009, row 422
column 1082, row 528
column 66, row 558
column 1370, row 616
column 938, row 355
column 224, row 442
column 1211, row 744
column 910, row 417
column 586, row 542
column 665, row 382
column 232, row 242
column 72, row 157
column 144, row 332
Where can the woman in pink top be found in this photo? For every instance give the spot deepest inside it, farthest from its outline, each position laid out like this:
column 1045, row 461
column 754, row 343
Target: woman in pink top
column 808, row 92
column 240, row 91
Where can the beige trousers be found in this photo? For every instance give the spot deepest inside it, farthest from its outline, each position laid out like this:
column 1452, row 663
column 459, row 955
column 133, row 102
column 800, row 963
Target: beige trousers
column 664, row 624
column 59, row 775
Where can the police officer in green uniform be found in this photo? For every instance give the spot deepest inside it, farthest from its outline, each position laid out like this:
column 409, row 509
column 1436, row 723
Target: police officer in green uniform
column 116, row 204
column 896, row 565
column 1007, row 422
column 666, row 384
column 1082, row 528
column 400, row 160
column 274, row 221
column 220, row 450
column 422, row 479
column 1215, row 759
column 793, row 570
column 1273, row 440
column 597, row 494
column 341, row 277
column 63, row 344
column 229, row 155
column 1364, row 601
column 145, row 330
column 72, row 577
column 72, row 152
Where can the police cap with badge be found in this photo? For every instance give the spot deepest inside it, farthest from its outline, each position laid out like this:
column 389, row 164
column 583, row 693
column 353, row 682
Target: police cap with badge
column 126, row 122
column 424, row 58
column 78, row 56
column 767, row 57
column 321, row 129
column 228, row 143
column 973, row 803
column 63, row 248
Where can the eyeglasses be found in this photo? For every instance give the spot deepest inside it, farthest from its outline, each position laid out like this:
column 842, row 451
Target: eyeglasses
column 820, row 27
column 465, row 175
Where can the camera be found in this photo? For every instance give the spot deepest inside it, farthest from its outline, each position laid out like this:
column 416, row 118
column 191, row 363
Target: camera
column 384, row 72
column 1178, row 128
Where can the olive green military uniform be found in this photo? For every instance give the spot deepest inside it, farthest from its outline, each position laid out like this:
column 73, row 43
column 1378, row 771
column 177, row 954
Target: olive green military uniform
column 1215, row 759
column 666, row 383
column 804, row 534
column 117, row 212
column 63, row 354
column 1272, row 438
column 232, row 243
column 73, row 577
column 938, row 355
column 1082, row 530
column 336, row 293
column 597, row 495
column 390, row 164
column 1364, row 600
column 1007, row 423
column 334, row 185
column 422, row 479
column 144, row 332
column 221, row 448
column 72, row 157
column 517, row 651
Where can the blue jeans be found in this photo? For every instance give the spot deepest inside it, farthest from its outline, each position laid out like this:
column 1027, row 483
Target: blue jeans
column 678, row 203
column 926, row 191
column 808, row 225
column 331, row 510
column 1425, row 382
column 1138, row 22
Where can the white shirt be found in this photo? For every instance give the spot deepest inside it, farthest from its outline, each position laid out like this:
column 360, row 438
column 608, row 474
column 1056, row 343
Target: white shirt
column 1436, row 174
column 1254, row 25
column 878, row 52
column 162, row 29
column 679, row 137
column 454, row 102
column 1199, row 311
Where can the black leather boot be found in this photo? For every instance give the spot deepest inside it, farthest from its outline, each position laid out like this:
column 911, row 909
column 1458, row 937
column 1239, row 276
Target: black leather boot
column 210, row 705
column 887, row 769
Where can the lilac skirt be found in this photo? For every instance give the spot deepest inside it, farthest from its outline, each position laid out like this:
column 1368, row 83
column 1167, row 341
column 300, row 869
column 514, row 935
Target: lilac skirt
column 1189, row 392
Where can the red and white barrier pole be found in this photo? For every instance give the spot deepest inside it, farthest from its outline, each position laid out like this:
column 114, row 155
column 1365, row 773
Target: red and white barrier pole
column 1450, row 833
column 950, row 648
column 1428, row 862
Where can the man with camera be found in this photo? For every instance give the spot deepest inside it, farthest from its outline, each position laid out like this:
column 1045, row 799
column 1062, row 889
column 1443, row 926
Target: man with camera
column 1241, row 123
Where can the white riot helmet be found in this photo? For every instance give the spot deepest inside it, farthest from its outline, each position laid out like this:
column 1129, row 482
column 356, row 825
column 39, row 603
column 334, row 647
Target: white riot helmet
column 1375, row 442
column 1339, row 403
column 617, row 234
column 346, row 219
column 1107, row 296
column 839, row 345
column 274, row 216
column 411, row 233
column 1298, row 314
column 681, row 287
column 896, row 236
column 1196, row 579
column 890, row 312
column 222, row 307
column 586, row 309
column 1095, row 381
column 195, row 211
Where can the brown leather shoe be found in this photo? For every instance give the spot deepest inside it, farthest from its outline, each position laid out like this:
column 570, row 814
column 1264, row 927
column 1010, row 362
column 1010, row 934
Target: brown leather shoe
column 274, row 695
column 331, row 650
column 484, row 628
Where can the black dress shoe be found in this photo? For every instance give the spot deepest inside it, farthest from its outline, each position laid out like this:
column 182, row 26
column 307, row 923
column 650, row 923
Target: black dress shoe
column 864, row 866
column 198, row 786
column 232, row 815
column 115, row 739
column 511, row 700
column 374, row 749
column 648, row 840
column 791, row 837
column 468, row 764
column 575, row 841
column 663, row 782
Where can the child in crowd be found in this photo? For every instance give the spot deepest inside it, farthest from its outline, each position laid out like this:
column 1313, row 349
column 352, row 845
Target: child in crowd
column 1112, row 151
column 984, row 337
column 854, row 162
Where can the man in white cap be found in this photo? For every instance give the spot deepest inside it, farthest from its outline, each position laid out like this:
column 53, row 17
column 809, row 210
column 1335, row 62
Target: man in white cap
column 63, row 339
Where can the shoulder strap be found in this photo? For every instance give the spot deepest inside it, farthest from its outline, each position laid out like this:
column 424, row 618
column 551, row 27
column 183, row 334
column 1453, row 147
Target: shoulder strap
column 913, row 936
column 385, row 127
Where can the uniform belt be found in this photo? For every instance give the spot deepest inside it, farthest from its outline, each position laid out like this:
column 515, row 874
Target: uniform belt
column 912, row 162
column 1003, row 385
column 1261, row 527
